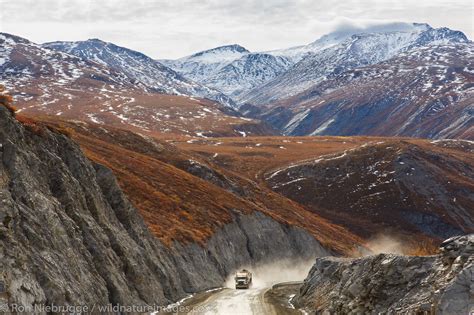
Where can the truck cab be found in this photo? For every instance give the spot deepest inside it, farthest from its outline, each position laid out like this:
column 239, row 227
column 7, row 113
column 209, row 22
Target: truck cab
column 243, row 279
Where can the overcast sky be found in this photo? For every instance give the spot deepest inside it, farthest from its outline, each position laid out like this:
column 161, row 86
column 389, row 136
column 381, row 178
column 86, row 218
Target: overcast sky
column 175, row 28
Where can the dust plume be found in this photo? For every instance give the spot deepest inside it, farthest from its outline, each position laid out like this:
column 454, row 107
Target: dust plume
column 383, row 243
column 386, row 244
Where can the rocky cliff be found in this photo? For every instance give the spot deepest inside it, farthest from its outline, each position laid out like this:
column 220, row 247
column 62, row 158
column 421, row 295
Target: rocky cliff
column 69, row 236
column 390, row 284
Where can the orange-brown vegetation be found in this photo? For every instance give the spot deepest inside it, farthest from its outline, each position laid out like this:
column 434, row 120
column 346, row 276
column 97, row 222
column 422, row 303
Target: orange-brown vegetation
column 62, row 129
column 31, row 124
column 403, row 186
column 7, row 100
column 39, row 128
column 35, row 126
column 346, row 191
column 178, row 206
column 255, row 156
column 423, row 247
column 152, row 114
column 28, row 122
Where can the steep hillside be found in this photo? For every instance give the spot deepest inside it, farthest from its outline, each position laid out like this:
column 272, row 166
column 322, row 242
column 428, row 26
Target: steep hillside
column 425, row 92
column 333, row 55
column 369, row 185
column 408, row 186
column 49, row 82
column 187, row 197
column 68, row 236
column 142, row 70
column 203, row 215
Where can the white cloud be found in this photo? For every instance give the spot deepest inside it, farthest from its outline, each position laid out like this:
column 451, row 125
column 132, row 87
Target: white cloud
column 172, row 28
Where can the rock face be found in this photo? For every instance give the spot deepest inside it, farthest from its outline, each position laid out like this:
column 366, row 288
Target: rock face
column 69, row 236
column 388, row 284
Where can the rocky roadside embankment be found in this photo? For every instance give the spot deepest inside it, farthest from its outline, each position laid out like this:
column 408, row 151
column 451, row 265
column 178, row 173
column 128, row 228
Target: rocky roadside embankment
column 69, row 236
column 392, row 284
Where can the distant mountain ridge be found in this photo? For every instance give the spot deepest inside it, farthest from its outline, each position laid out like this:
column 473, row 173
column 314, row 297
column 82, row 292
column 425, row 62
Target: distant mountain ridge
column 231, row 69
column 264, row 77
column 397, row 79
column 334, row 54
column 203, row 63
column 111, row 85
column 229, row 49
column 328, row 87
column 425, row 92
column 143, row 70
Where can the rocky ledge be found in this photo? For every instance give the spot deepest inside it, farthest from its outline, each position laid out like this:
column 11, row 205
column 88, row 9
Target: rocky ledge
column 392, row 284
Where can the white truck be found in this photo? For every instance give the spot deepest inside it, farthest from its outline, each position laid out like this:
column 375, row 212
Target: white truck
column 243, row 279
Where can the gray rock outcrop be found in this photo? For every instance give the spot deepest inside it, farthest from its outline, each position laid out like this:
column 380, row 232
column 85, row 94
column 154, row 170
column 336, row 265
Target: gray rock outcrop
column 391, row 284
column 69, row 236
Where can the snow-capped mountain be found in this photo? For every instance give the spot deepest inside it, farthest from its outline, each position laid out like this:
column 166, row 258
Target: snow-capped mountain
column 141, row 69
column 28, row 66
column 337, row 37
column 337, row 85
column 264, row 77
column 336, row 53
column 231, row 69
column 248, row 72
column 426, row 91
column 200, row 66
column 44, row 81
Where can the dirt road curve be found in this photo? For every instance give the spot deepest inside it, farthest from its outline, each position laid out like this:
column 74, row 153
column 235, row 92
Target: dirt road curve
column 230, row 301
column 254, row 301
column 273, row 287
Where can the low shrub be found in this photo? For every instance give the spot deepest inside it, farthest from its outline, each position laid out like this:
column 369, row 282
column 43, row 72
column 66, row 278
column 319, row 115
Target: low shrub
column 6, row 100
column 424, row 247
column 31, row 125
column 63, row 130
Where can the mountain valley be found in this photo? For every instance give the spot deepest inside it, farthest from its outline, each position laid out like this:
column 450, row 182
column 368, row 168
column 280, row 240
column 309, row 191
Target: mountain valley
column 129, row 180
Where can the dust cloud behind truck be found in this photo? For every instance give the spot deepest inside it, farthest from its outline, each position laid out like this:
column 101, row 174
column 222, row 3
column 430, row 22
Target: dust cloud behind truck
column 243, row 279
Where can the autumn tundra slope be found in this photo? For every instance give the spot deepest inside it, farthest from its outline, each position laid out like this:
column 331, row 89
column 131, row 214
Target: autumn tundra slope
column 195, row 184
column 408, row 185
column 187, row 197
column 369, row 185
